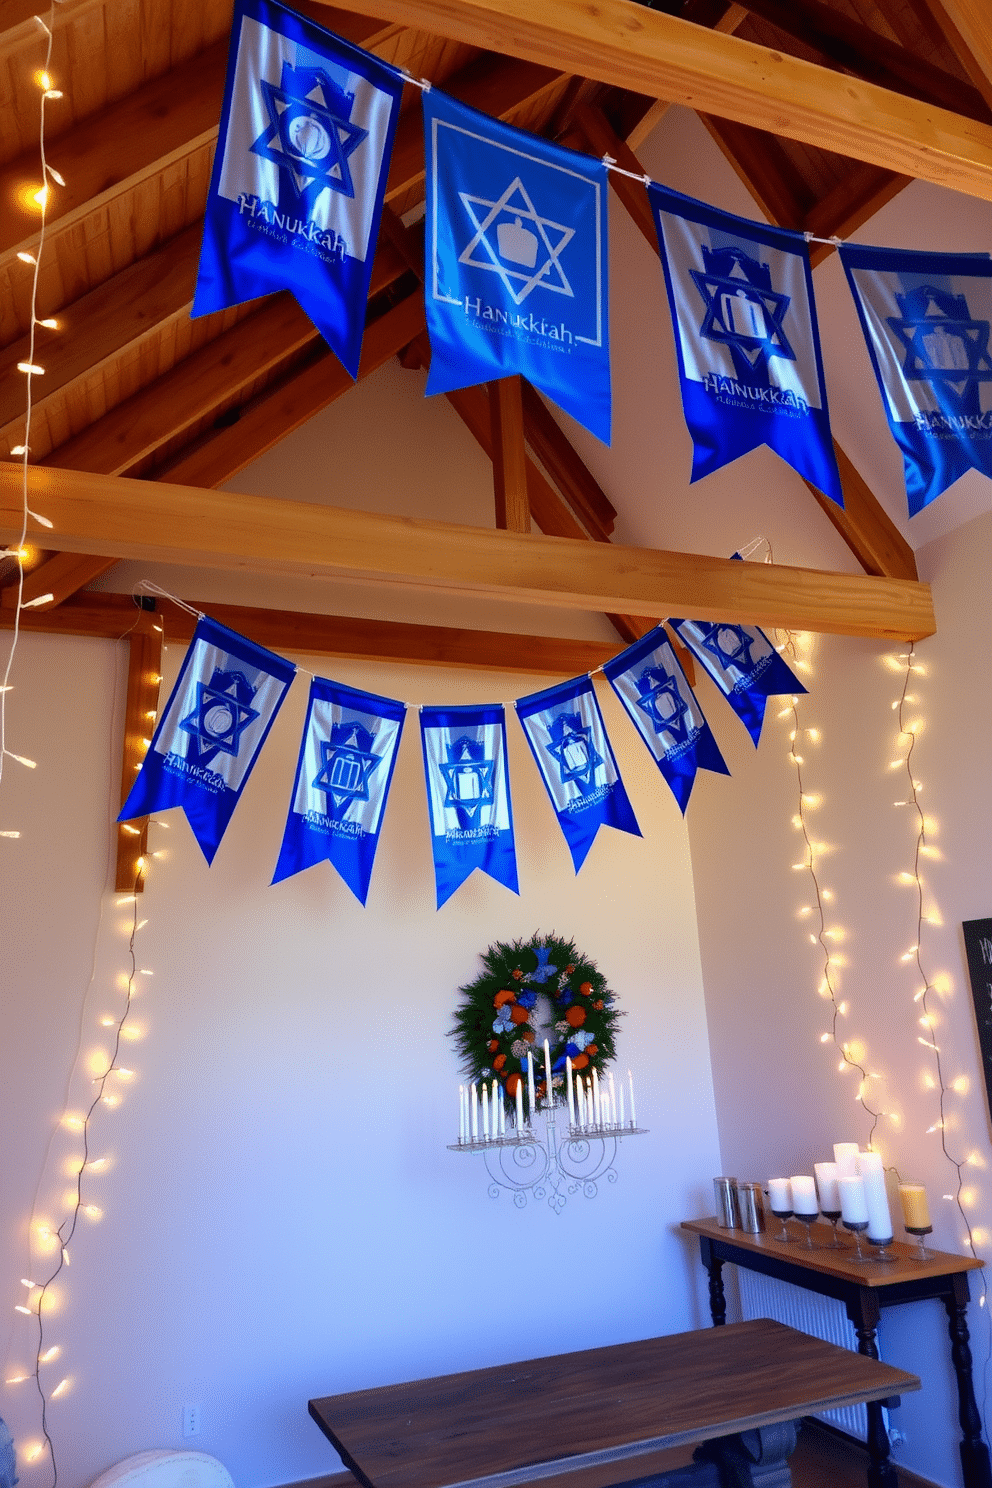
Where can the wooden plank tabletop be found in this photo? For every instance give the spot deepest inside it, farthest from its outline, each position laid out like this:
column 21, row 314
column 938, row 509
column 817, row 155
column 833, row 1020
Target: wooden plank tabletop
column 839, row 1263
column 541, row 1418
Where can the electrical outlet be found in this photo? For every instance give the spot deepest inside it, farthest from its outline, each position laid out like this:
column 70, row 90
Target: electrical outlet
column 191, row 1420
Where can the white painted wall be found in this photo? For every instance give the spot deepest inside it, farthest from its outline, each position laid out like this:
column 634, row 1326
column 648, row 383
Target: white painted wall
column 281, row 1217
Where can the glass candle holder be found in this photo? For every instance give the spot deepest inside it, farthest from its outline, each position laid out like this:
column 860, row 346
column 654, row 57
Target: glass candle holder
column 805, row 1218
column 882, row 1250
column 833, row 1215
column 783, row 1214
column 857, row 1227
column 922, row 1254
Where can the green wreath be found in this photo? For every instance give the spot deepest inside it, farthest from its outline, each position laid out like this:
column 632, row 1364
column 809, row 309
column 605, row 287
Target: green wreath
column 493, row 1028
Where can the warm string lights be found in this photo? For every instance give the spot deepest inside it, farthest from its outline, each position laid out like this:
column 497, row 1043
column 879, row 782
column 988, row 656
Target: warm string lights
column 822, row 933
column 53, row 1242
column 910, row 725
column 30, row 369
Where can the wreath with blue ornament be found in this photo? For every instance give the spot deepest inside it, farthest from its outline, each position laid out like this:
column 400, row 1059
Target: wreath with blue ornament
column 494, row 1027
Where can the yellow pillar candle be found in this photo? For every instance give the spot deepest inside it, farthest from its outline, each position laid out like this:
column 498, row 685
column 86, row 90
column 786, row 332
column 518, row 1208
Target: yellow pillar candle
column 915, row 1213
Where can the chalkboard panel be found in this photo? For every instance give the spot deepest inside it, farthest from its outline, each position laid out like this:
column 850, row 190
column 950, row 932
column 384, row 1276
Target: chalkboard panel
column 978, row 947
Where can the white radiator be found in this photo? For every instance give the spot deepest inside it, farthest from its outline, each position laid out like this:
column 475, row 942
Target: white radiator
column 823, row 1317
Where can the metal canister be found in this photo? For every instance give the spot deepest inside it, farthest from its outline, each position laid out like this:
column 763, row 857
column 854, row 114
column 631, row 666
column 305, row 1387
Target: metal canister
column 750, row 1209
column 725, row 1190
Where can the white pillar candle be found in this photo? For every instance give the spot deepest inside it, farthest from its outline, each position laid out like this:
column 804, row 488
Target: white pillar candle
column 846, row 1158
column 502, row 1117
column 597, row 1105
column 633, row 1109
column 475, row 1112
column 461, row 1113
column 531, row 1098
column 623, row 1108
column 613, row 1100
column 780, row 1195
column 548, row 1096
column 485, row 1111
column 826, row 1185
column 853, row 1204
column 872, row 1175
column 803, row 1195
column 569, row 1091
column 520, row 1104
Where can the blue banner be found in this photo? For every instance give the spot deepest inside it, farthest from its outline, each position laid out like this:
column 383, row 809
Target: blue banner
column 565, row 731
column 517, row 266
column 926, row 319
column 468, row 796
column 649, row 681
column 741, row 297
column 343, row 776
column 209, row 735
column 299, row 174
column 743, row 663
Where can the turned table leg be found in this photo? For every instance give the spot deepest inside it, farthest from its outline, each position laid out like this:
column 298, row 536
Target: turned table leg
column 974, row 1452
column 864, row 1314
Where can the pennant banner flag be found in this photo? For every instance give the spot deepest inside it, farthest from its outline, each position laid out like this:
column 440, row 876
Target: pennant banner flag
column 517, row 266
column 565, row 730
column 305, row 139
column 741, row 297
column 744, row 665
column 343, row 776
column 208, row 738
column 926, row 319
column 468, row 796
column 649, row 681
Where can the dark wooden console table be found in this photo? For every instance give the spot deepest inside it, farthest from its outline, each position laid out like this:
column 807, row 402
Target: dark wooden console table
column 599, row 1416
column 864, row 1288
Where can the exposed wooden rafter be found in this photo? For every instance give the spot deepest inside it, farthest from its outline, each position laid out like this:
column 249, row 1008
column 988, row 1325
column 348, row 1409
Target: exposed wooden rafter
column 163, row 523
column 633, row 47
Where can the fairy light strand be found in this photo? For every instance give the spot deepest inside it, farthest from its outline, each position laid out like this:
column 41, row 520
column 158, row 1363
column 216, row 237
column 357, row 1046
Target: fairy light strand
column 30, row 370
column 921, row 997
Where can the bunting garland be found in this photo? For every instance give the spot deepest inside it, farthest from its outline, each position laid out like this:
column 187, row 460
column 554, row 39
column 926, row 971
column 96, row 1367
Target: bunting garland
column 649, row 680
column 567, row 737
column 343, row 775
column 468, row 796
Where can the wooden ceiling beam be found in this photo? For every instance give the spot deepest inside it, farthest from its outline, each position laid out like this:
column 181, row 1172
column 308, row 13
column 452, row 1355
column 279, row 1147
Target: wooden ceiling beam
column 509, row 457
column 575, row 481
column 634, row 47
column 162, row 523
column 346, row 637
column 864, row 523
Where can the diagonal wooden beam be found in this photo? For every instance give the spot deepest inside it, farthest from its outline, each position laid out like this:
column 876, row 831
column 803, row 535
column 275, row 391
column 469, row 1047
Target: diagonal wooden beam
column 864, row 524
column 868, row 54
column 574, row 480
column 298, row 632
column 965, row 25
column 659, row 55
column 139, row 302
column 271, row 417
column 162, row 523
column 60, row 575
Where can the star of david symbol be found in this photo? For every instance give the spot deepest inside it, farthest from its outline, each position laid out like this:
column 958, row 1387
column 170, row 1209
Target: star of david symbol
column 743, row 311
column 346, row 763
column 221, row 715
column 578, row 758
column 731, row 645
column 944, row 345
column 468, row 776
column 662, row 701
column 310, row 135
column 535, row 249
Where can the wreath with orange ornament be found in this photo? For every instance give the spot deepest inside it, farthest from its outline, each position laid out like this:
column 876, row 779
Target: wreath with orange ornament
column 495, row 1025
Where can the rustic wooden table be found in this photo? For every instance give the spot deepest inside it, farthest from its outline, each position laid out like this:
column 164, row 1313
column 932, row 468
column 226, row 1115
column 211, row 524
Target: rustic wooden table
column 865, row 1287
column 542, row 1418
